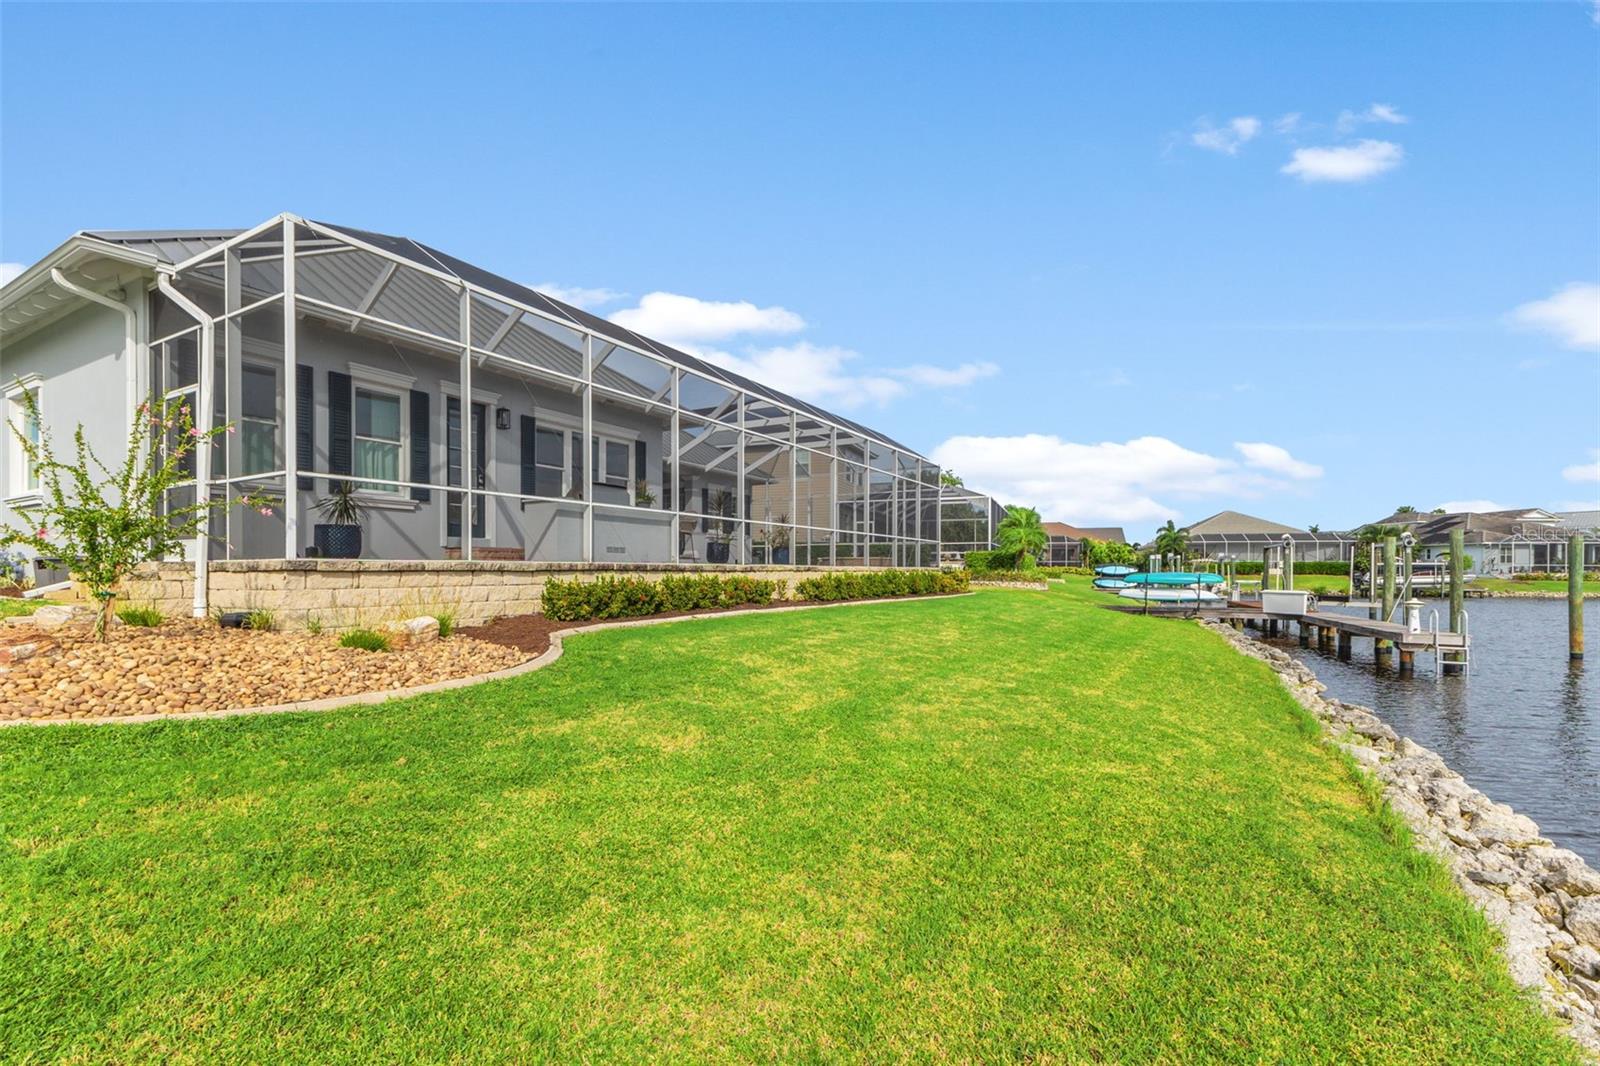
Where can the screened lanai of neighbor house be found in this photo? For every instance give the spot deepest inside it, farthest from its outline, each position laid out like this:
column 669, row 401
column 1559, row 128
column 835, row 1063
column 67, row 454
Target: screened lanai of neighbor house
column 458, row 404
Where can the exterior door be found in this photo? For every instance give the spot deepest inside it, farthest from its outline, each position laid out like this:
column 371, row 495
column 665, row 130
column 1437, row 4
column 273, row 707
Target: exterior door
column 480, row 467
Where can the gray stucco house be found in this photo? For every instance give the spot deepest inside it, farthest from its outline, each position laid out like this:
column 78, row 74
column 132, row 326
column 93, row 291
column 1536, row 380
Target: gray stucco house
column 477, row 418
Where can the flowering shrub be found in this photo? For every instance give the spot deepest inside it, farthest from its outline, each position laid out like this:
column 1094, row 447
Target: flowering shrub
column 879, row 584
column 633, row 597
column 103, row 526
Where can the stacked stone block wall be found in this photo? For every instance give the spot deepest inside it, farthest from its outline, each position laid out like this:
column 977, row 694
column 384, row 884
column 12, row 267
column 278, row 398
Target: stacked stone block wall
column 347, row 594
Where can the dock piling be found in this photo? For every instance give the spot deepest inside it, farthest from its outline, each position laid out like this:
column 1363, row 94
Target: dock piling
column 1453, row 663
column 1575, row 598
column 1380, row 647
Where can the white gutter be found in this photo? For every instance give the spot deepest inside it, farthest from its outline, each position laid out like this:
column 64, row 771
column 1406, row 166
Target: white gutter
column 202, row 456
column 130, row 335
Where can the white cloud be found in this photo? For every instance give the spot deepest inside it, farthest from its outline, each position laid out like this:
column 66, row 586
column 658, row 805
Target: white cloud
column 812, row 372
column 1474, row 506
column 1286, row 123
column 579, row 296
column 1572, row 315
column 1589, row 471
column 939, row 377
column 1353, row 162
column 8, row 271
column 1225, row 139
column 720, row 332
column 1384, row 113
column 676, row 319
column 1276, row 460
column 1114, row 482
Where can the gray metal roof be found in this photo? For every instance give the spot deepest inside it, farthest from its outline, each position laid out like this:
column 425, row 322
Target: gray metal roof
column 172, row 245
column 175, row 246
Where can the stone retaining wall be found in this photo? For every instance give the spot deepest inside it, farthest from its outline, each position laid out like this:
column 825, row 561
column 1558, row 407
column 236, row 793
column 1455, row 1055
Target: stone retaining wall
column 348, row 593
column 1545, row 900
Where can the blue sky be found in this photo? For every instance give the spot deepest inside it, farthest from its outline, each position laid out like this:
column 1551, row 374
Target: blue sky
column 1086, row 255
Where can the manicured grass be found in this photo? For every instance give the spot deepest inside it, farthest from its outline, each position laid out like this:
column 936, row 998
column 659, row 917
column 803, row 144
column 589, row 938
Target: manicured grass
column 1500, row 584
column 12, row 606
column 1328, row 581
column 999, row 827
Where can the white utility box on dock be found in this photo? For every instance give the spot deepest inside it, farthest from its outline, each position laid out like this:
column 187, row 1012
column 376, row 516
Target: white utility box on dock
column 1284, row 601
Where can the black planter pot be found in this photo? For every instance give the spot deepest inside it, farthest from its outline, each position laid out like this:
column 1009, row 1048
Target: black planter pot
column 337, row 542
column 717, row 552
column 780, row 556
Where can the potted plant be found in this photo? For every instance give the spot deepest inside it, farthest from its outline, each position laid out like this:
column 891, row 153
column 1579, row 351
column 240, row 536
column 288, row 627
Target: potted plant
column 340, row 536
column 642, row 496
column 717, row 532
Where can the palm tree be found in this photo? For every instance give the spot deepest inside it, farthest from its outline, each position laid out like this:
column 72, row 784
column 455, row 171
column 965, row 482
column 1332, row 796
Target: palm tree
column 1022, row 533
column 1170, row 540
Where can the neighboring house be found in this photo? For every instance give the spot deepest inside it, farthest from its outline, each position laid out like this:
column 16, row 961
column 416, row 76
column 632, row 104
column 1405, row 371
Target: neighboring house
column 477, row 418
column 1066, row 542
column 1246, row 537
column 967, row 522
column 1521, row 539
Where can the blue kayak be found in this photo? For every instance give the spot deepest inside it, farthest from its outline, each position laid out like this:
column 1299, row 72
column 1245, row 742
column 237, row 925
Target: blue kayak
column 1115, row 571
column 1174, row 579
column 1111, row 584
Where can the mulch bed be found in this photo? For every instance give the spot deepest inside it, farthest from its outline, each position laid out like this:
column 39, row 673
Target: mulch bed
column 185, row 665
column 531, row 632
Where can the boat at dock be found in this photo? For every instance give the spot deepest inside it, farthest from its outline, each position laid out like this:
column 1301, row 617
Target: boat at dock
column 1169, row 595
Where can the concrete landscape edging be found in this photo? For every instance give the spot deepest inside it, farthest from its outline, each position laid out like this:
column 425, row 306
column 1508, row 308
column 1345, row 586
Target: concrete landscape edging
column 543, row 659
column 1544, row 900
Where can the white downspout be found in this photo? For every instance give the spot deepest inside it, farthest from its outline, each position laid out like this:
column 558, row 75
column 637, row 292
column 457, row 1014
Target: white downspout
column 202, row 456
column 130, row 336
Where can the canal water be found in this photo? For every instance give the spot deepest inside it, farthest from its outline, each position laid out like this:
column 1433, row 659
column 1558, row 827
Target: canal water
column 1522, row 726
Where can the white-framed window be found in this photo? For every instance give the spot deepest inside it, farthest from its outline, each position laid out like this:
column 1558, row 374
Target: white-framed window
column 260, row 419
column 381, row 424
column 22, row 479
column 613, row 461
column 558, row 459
column 380, row 439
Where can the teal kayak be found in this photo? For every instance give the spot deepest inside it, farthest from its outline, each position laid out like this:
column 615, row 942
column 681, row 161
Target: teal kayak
column 1174, row 579
column 1115, row 571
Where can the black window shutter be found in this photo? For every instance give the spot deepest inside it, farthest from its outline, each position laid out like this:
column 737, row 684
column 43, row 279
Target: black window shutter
column 529, row 473
column 419, row 444
column 341, row 430
column 305, row 407
column 638, row 468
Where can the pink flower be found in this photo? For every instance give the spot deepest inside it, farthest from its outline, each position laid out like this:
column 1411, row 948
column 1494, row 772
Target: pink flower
column 232, row 429
column 44, row 532
column 194, row 432
column 266, row 512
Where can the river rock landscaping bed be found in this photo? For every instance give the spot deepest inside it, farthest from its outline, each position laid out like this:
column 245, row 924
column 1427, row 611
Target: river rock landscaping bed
column 56, row 670
column 1545, row 900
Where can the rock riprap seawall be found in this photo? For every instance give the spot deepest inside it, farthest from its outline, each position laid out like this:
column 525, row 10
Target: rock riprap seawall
column 1545, row 900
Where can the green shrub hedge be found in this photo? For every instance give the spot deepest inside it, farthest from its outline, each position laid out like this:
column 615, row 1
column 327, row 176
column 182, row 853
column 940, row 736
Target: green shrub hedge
column 1324, row 568
column 1032, row 577
column 635, row 597
column 1076, row 571
column 878, row 584
column 980, row 561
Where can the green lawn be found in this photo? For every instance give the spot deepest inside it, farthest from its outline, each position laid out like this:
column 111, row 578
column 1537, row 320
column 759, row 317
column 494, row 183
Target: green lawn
column 1500, row 584
column 13, row 605
column 1000, row 827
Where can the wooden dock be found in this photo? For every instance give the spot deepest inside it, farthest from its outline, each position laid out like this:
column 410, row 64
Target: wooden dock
column 1337, row 632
